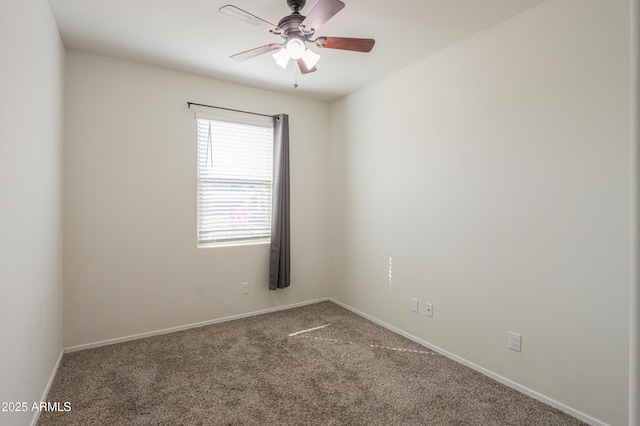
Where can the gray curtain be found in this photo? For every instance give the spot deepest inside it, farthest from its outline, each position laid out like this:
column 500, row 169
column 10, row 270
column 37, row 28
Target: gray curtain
column 280, row 253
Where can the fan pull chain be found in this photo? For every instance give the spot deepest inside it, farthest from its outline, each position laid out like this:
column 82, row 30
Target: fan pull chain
column 295, row 78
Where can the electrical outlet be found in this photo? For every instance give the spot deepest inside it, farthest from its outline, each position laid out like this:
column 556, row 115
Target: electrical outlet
column 428, row 309
column 414, row 304
column 514, row 341
column 244, row 288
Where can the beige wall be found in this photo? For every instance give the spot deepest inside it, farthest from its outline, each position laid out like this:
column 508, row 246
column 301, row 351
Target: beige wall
column 634, row 299
column 131, row 261
column 496, row 174
column 31, row 77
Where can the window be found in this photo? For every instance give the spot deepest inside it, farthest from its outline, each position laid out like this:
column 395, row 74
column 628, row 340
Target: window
column 235, row 174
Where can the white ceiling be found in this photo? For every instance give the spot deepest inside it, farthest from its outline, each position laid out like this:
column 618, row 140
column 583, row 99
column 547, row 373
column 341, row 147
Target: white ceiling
column 192, row 36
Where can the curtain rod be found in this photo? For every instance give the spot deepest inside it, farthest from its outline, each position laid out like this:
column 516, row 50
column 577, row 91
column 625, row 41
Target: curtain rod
column 228, row 109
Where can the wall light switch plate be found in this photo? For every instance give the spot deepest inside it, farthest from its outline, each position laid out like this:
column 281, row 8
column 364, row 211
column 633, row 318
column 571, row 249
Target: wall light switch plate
column 514, row 341
column 414, row 304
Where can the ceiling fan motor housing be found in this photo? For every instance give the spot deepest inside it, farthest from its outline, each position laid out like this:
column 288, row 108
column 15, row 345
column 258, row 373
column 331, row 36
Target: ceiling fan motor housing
column 291, row 23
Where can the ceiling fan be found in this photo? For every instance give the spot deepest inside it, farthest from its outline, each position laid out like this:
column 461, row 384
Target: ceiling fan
column 297, row 30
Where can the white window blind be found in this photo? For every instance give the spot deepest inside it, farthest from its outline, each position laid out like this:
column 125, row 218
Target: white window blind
column 235, row 174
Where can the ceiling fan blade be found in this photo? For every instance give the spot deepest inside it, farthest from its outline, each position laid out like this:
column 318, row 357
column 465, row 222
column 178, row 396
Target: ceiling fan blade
column 255, row 52
column 346, row 43
column 303, row 67
column 249, row 18
column 321, row 13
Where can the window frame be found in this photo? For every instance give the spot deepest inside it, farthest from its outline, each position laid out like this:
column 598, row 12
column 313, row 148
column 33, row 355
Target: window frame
column 260, row 124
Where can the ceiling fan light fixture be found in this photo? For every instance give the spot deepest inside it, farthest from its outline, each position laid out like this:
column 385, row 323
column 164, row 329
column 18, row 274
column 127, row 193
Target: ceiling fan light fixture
column 281, row 57
column 310, row 58
column 295, row 47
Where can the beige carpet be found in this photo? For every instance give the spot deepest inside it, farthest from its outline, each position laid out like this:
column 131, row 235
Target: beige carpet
column 348, row 371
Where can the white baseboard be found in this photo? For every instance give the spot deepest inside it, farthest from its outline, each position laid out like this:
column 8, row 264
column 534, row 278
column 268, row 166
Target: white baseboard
column 36, row 414
column 188, row 326
column 577, row 414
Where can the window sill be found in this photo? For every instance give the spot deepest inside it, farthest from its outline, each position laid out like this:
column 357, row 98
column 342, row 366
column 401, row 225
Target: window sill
column 234, row 244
